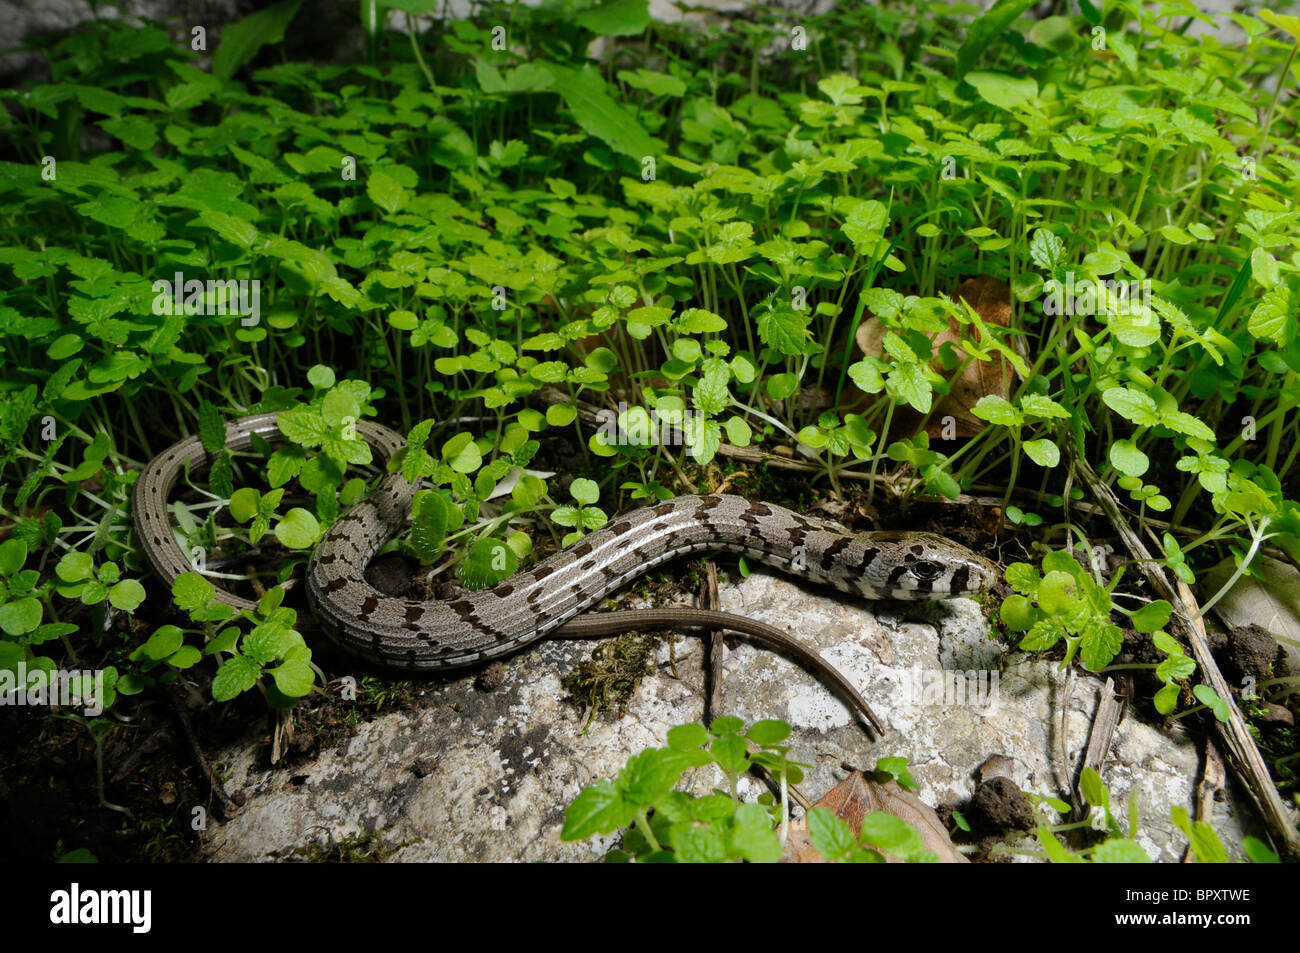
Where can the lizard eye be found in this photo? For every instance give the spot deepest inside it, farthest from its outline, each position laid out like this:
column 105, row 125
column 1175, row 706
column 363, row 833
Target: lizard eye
column 927, row 569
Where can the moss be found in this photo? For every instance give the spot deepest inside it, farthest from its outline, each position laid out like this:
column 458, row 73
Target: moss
column 365, row 848
column 612, row 675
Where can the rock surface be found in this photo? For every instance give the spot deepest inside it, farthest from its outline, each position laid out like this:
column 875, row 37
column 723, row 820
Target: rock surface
column 1270, row 598
column 473, row 775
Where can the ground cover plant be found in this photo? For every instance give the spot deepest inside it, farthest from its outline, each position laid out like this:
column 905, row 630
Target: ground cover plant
column 478, row 228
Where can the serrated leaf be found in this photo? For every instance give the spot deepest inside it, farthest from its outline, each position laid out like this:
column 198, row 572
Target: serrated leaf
column 294, row 678
column 1132, row 405
column 829, row 834
column 997, row 410
column 386, row 192
column 231, row 229
column 1120, row 851
column 1099, row 646
column 235, row 677
column 599, row 809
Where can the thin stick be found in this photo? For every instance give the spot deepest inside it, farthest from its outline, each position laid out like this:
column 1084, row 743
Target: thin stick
column 714, row 700
column 1240, row 746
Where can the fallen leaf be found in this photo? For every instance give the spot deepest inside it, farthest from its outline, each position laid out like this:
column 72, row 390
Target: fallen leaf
column 991, row 299
column 857, row 796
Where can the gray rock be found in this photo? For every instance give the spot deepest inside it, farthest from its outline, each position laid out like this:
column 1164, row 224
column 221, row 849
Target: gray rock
column 473, row 775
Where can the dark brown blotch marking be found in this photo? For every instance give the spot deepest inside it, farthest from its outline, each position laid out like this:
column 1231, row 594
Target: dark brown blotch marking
column 868, row 557
column 619, row 528
column 414, row 613
column 582, row 549
column 465, row 609
column 541, row 572
column 663, row 509
column 707, row 503
column 961, row 578
column 370, row 604
column 833, row 550
column 503, row 590
column 334, row 585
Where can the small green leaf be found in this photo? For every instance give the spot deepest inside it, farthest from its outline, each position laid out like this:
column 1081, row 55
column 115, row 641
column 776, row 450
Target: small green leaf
column 686, row 737
column 584, row 491
column 891, row 834
column 13, row 553
column 294, row 677
column 1207, row 696
column 1128, row 459
column 830, row 835
column 1017, row 613
column 126, row 595
column 298, row 529
column 752, row 836
column 489, row 562
column 768, row 732
column 1043, row 452
column 1120, row 851
column 75, row 566
column 21, row 616
column 462, row 454
column 1093, row 788
column 212, row 428
column 166, row 641
column 599, row 809
column 1152, row 616
column 235, row 677
column 997, row 410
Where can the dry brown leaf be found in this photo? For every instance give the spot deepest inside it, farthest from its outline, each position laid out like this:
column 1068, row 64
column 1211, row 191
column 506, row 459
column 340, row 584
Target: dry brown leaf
column 857, row 796
column 991, row 299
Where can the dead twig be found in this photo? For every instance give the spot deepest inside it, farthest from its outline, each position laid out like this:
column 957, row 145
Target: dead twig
column 1110, row 710
column 1240, row 746
column 713, row 674
column 1212, row 778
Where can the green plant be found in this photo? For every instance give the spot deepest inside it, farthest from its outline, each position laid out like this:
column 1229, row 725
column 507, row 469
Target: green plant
column 665, row 824
column 441, row 231
column 1064, row 602
column 1122, row 847
column 246, row 656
